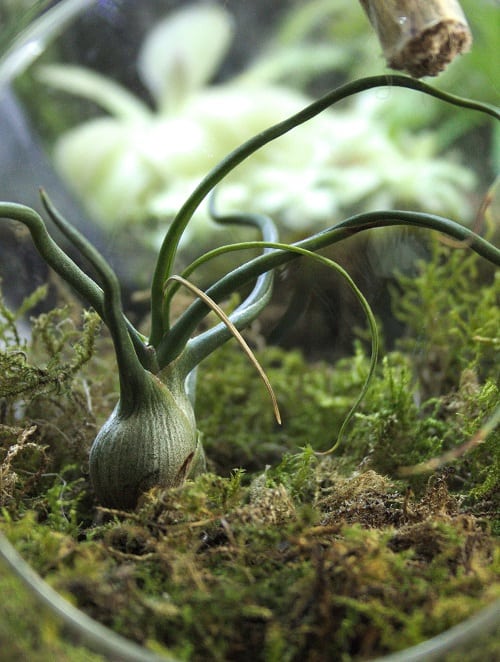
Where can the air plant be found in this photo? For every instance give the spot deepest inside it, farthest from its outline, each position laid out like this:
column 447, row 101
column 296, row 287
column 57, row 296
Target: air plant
column 151, row 438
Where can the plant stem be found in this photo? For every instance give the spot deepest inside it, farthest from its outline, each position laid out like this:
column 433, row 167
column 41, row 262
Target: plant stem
column 107, row 302
column 175, row 340
column 236, row 334
column 268, row 231
column 97, row 261
column 54, row 255
column 133, row 379
column 164, row 265
column 253, row 304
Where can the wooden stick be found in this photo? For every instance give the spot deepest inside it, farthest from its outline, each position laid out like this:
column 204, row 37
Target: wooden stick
column 420, row 37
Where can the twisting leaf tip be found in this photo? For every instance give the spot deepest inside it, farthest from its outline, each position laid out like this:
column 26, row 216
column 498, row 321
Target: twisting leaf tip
column 234, row 331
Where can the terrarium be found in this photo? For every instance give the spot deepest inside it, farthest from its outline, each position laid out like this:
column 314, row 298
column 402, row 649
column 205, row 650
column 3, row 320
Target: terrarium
column 249, row 326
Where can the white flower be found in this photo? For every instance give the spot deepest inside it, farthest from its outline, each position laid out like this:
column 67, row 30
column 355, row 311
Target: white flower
column 137, row 164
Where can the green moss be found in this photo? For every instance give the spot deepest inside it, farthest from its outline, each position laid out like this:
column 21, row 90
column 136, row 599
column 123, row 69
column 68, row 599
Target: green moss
column 51, row 403
column 30, row 632
column 60, row 348
column 256, row 577
column 451, row 312
column 391, row 430
column 314, row 398
column 280, row 554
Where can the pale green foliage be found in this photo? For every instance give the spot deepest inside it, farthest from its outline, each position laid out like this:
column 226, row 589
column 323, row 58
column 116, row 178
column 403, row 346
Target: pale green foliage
column 9, row 319
column 391, row 429
column 451, row 311
column 61, row 347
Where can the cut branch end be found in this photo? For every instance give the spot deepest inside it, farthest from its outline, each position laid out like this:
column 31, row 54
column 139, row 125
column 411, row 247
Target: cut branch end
column 421, row 38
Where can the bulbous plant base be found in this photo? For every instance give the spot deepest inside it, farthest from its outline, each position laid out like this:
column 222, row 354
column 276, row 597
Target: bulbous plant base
column 153, row 443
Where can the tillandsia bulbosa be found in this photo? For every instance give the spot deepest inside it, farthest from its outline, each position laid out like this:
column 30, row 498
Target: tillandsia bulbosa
column 151, row 439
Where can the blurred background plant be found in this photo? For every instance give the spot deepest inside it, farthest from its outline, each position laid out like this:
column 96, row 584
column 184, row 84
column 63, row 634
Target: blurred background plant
column 15, row 16
column 190, row 103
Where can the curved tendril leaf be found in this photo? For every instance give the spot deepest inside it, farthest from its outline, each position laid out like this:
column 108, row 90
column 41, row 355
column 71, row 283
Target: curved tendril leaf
column 164, row 265
column 379, row 219
column 234, row 331
column 248, row 310
column 131, row 371
column 53, row 255
column 97, row 261
column 357, row 292
column 199, row 347
column 106, row 301
column 269, row 232
column 176, row 338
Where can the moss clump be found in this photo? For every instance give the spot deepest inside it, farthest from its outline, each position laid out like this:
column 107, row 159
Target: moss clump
column 222, row 570
column 51, row 400
column 279, row 554
column 313, row 398
column 451, row 312
column 452, row 322
column 29, row 632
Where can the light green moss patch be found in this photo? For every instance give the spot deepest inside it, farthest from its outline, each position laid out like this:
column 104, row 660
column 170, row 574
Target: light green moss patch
column 278, row 554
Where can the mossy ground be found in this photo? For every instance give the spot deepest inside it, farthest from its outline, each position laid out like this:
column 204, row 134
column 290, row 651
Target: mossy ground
column 277, row 553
